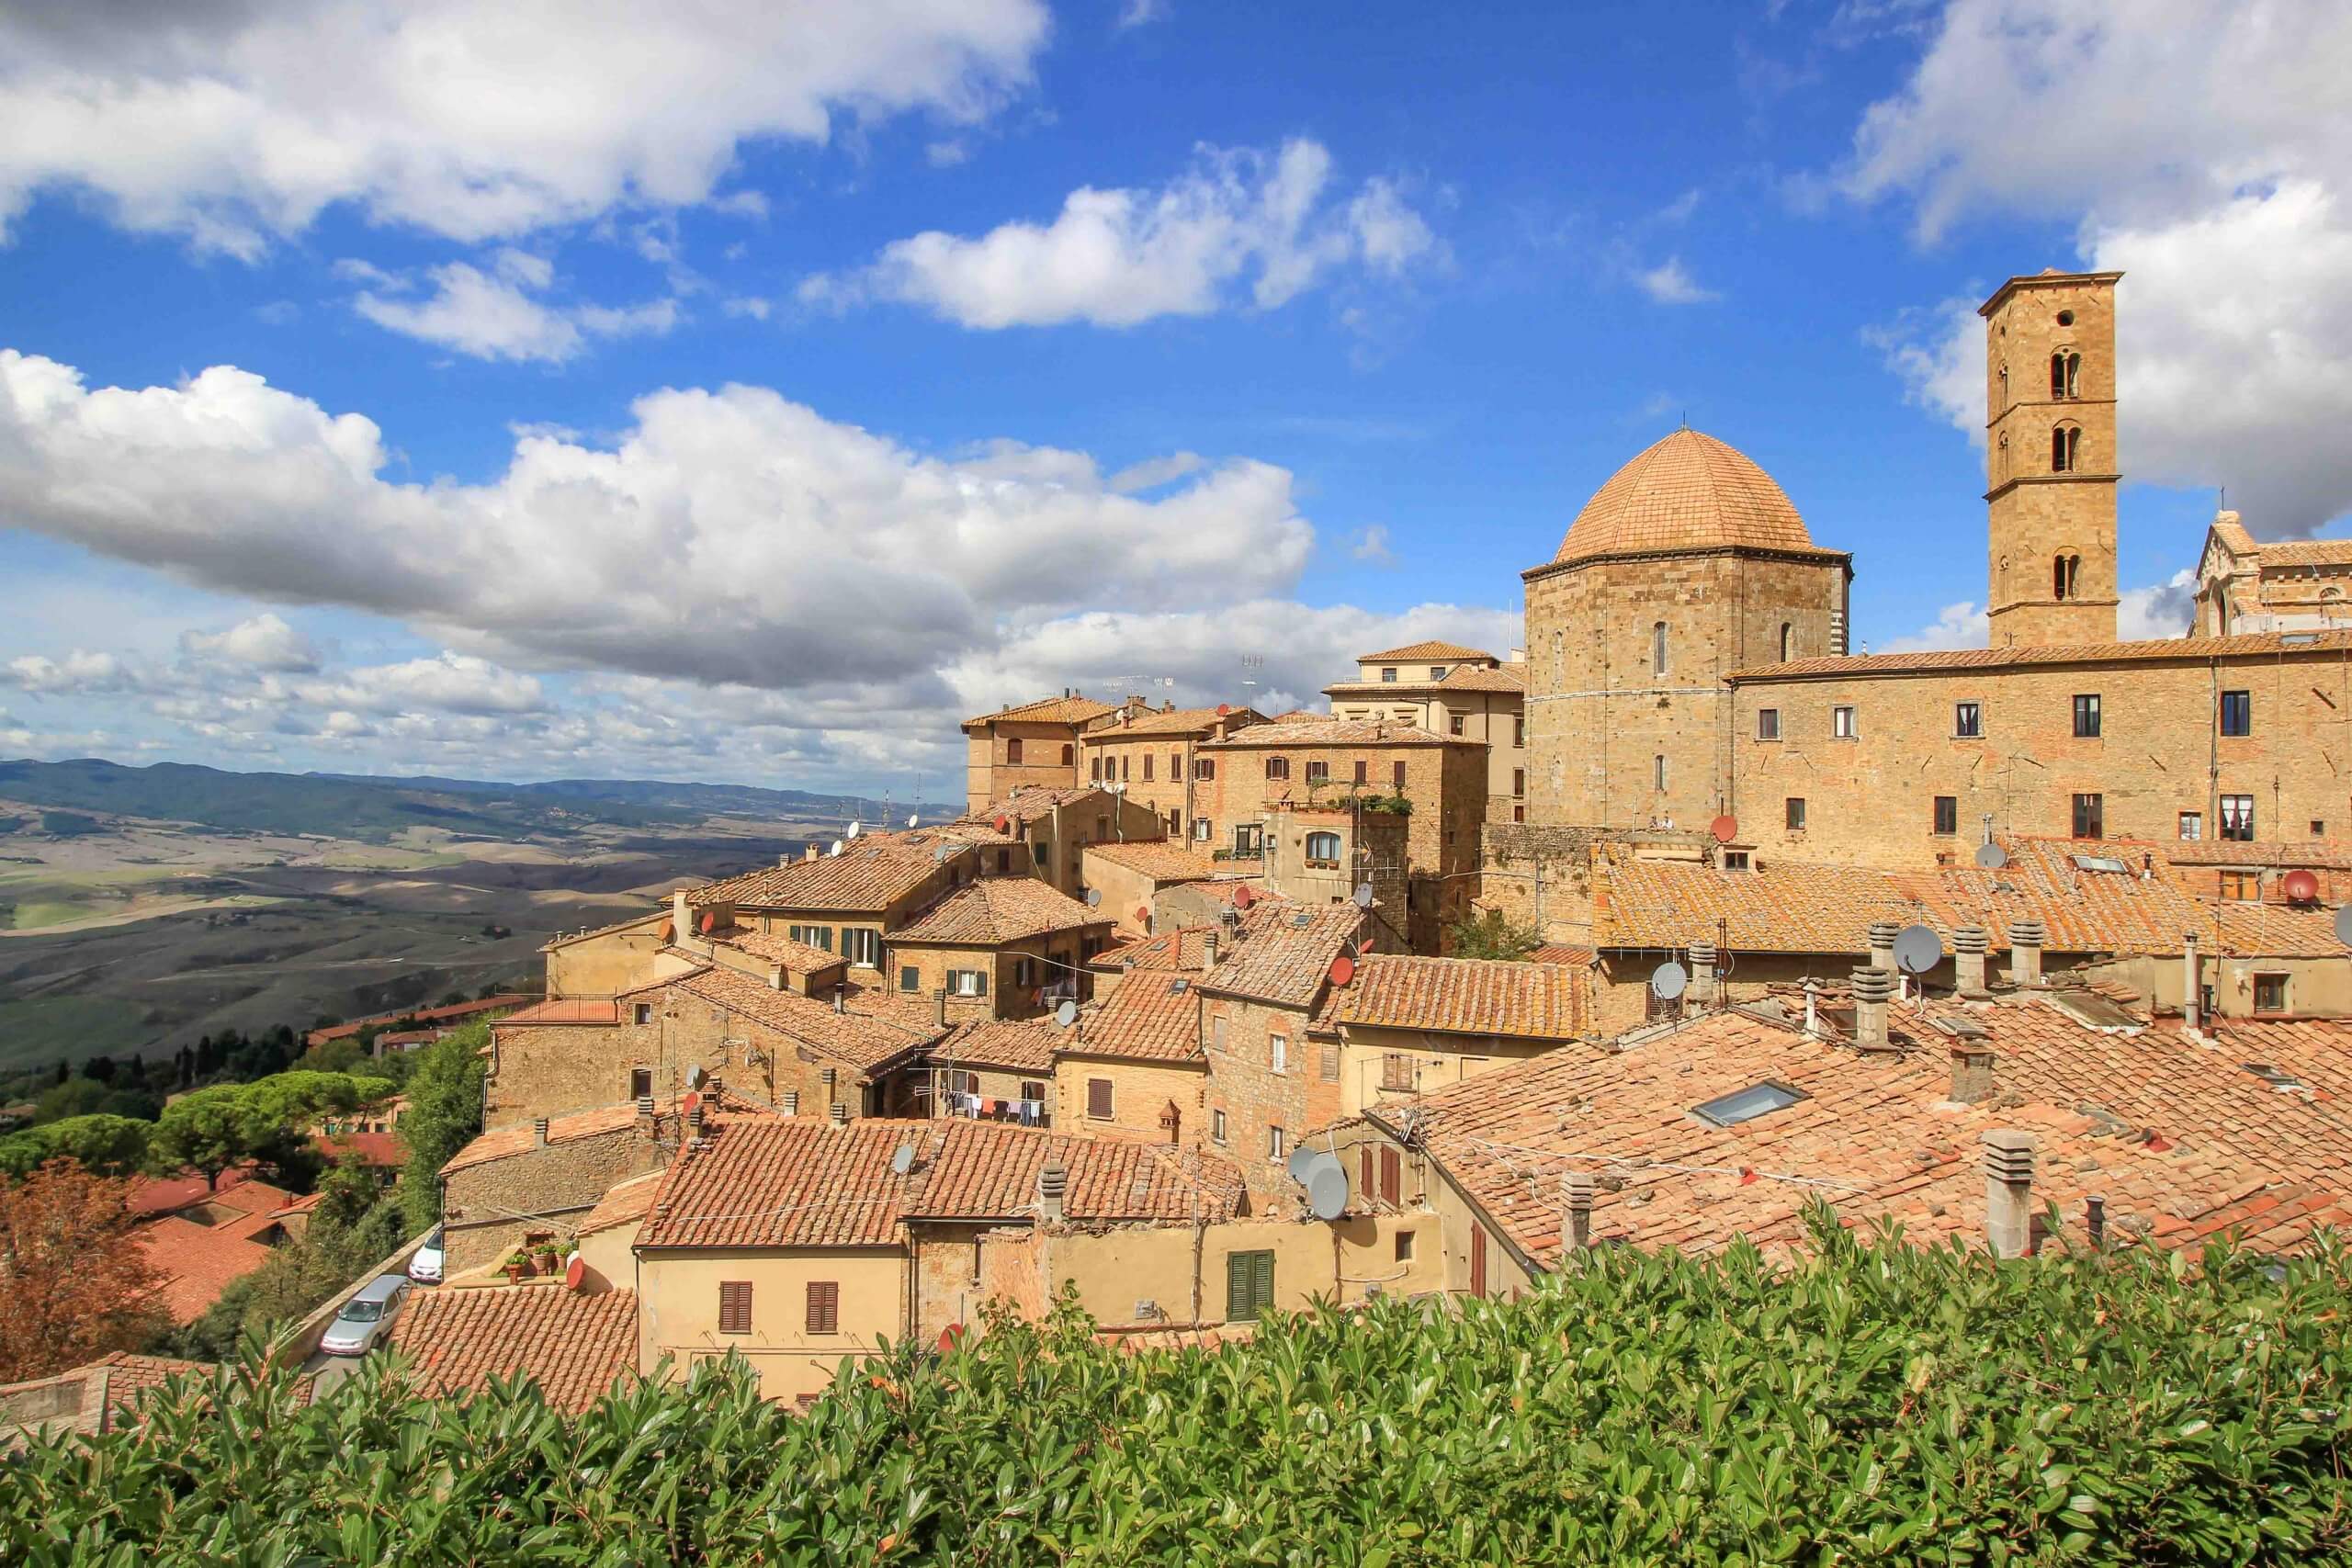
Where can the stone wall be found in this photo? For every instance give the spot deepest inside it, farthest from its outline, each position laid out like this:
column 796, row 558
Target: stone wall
column 490, row 1209
column 1541, row 877
column 1140, row 1092
column 1243, row 1083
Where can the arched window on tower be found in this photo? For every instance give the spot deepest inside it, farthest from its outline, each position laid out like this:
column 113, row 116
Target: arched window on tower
column 1787, row 642
column 2066, row 374
column 2065, row 445
column 1658, row 773
column 1657, row 648
column 2064, row 573
column 2005, row 389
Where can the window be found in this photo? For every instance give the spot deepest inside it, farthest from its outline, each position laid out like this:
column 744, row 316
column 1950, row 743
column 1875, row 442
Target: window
column 1787, row 636
column 1249, row 839
column 2066, row 443
column 1735, row 860
column 2192, row 824
column 1278, row 1053
column 1363, row 773
column 1217, row 1126
column 2270, row 993
column 1203, row 829
column 812, row 936
column 1032, row 1090
column 1793, row 813
column 1098, row 1099
column 2090, row 817
column 1388, row 674
column 1392, row 1175
column 1968, row 721
column 1947, row 816
column 642, row 1012
column 1147, row 766
column 734, row 1306
column 1519, row 730
column 1404, row 1247
column 2245, row 887
column 1126, row 767
column 2277, row 1077
column 1658, row 773
column 1318, row 772
column 968, row 982
column 640, row 1082
column 2319, row 828
column 910, row 978
column 1217, row 1032
column 1094, row 769
column 1746, row 1104
column 2064, row 572
column 1003, row 861
column 1248, row 1285
column 1276, row 1147
column 863, row 947
column 1070, row 756
column 2087, row 716
column 1330, row 1061
column 1841, row 723
column 1397, row 1073
column 1396, row 777
column 1323, row 850
column 1023, row 972
column 2237, row 712
column 824, row 1307
column 1518, row 783
column 2066, row 374
column 1278, row 767
column 1175, row 766
column 1013, row 752
column 1205, row 767
column 2237, row 816
column 1657, row 648
column 1768, row 724
column 1477, row 1260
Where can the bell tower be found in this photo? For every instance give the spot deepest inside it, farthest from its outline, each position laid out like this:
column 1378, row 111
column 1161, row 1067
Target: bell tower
column 2049, row 457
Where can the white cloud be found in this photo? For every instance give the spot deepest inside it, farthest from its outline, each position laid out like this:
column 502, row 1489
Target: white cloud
column 2199, row 145
column 452, row 683
column 264, row 642
column 499, row 317
column 1238, row 219
column 473, row 118
column 1669, row 282
column 2165, row 609
column 1371, row 546
column 1154, row 472
column 1965, row 624
column 79, row 674
column 1139, row 13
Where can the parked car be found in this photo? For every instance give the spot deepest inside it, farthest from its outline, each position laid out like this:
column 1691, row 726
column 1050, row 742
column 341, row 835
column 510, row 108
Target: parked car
column 425, row 1266
column 366, row 1317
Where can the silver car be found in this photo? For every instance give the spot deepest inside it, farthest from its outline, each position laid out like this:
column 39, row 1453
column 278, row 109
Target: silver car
column 366, row 1317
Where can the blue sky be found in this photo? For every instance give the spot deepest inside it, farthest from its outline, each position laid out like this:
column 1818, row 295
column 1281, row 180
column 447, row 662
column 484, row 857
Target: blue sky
column 529, row 391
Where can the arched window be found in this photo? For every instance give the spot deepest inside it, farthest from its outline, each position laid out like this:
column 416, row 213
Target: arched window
column 1658, row 773
column 1070, row 756
column 2065, row 443
column 1657, row 648
column 2064, row 571
column 1323, row 849
column 2066, row 374
column 1786, row 645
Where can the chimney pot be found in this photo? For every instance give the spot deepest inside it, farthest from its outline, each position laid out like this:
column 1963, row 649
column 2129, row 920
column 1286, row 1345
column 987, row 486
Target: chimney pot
column 1209, row 950
column 791, row 1102
column 1702, row 994
column 1579, row 1196
column 645, row 1105
column 1881, row 940
column 1967, row 945
column 2025, row 938
column 1053, row 1190
column 1971, row 1073
column 1873, row 987
column 840, row 999
column 539, row 1131
column 2192, row 999
column 2008, row 1191
column 693, row 1123
column 841, row 1114
column 2095, row 1215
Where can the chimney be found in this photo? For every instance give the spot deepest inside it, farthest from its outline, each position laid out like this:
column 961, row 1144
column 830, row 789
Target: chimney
column 941, row 995
column 693, row 1123
column 1053, row 1187
column 644, row 1106
column 1579, row 1195
column 1702, row 994
column 1811, row 1007
column 681, row 921
column 539, row 1127
column 2192, row 996
column 1971, row 1072
column 840, row 999
column 841, row 1114
column 808, row 852
column 791, row 1106
column 1873, row 987
column 1881, row 940
column 1967, row 945
column 776, row 976
column 2008, row 1191
column 783, row 861
column 1209, row 950
column 2025, row 938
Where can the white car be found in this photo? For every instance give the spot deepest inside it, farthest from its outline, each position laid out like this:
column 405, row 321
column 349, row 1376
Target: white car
column 425, row 1266
column 366, row 1317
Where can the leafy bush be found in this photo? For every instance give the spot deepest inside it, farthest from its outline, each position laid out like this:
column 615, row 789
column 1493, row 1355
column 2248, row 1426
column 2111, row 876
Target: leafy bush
column 1870, row 1403
column 444, row 1114
column 1491, row 935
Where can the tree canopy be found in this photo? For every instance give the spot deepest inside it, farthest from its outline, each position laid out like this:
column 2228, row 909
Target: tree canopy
column 443, row 1116
column 214, row 1128
column 110, row 1145
column 1491, row 935
column 71, row 1284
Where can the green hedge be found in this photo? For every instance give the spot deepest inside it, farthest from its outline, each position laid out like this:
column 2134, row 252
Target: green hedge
column 1873, row 1404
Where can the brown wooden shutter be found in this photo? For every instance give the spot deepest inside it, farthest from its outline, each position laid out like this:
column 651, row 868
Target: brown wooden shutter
column 1098, row 1099
column 735, row 1306
column 1392, row 1176
column 824, row 1307
column 1367, row 1190
column 1477, row 1260
column 1399, row 774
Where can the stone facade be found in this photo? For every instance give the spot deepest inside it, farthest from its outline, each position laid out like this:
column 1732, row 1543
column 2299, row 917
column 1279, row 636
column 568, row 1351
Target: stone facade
column 494, row 1205
column 1542, row 878
column 1019, row 974
column 1141, row 1093
column 1262, row 1086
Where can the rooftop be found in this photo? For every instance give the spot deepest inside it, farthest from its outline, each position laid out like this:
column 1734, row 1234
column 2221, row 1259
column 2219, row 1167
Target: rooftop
column 1425, row 651
column 196, row 1262
column 1284, row 953
column 1045, row 710
column 996, row 909
column 1689, row 491
column 505, row 1143
column 564, row 1009
column 873, row 871
column 572, row 1345
column 871, row 1028
column 1355, row 732
column 1030, row 803
column 1016, row 1045
column 1154, row 1016
column 777, row 948
column 1176, row 721
column 1161, row 861
column 1470, row 995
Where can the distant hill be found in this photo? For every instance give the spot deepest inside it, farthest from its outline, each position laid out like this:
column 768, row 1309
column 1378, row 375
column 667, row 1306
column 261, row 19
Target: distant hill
column 375, row 807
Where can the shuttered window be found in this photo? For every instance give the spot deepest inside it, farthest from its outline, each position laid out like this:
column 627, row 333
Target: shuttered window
column 1248, row 1285
column 1330, row 1061
column 735, row 1306
column 824, row 1307
column 1098, row 1099
column 1365, row 1188
column 1392, row 1176
column 1477, row 1260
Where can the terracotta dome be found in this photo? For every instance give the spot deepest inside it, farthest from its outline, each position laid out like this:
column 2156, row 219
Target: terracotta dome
column 1688, row 492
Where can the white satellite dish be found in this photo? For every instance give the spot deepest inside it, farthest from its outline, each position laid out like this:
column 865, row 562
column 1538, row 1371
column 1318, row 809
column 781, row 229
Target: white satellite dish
column 1066, row 1014
column 853, row 830
column 695, row 1077
column 1362, row 895
column 1668, row 980
column 1326, row 1192
column 1917, row 950
column 1093, row 897
column 902, row 1160
column 1992, row 857
column 836, row 849
column 1302, row 1163
column 911, row 818
column 2344, row 925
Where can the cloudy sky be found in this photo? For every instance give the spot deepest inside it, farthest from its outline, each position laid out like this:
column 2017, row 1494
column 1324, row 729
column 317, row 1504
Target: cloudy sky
column 748, row 392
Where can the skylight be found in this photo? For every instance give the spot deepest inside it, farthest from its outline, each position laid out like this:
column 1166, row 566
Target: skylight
column 2102, row 863
column 1746, row 1104
column 1177, row 988
column 2277, row 1077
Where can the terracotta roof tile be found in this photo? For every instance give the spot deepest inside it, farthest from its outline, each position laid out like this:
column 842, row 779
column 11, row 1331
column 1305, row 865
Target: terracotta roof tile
column 1351, row 732
column 1152, row 1017
column 105, row 1393
column 872, row 1027
column 1284, row 953
column 505, row 1143
column 2305, row 552
column 996, row 909
column 1505, row 678
column 1424, row 650
column 873, row 871
column 196, row 1262
column 1028, row 803
column 1470, row 995
column 572, row 1345
column 1018, row 1046
column 2181, row 647
column 625, row 1203
column 383, row 1150
column 791, row 1182
column 449, row 1014
column 1176, row 721
column 1161, row 861
column 1561, row 952
column 1689, row 491
column 798, row 957
column 1046, row 710
column 565, row 1009
column 2318, row 853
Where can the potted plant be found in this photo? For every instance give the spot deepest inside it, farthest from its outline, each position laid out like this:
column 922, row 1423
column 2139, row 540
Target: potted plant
column 550, row 1256
column 517, row 1265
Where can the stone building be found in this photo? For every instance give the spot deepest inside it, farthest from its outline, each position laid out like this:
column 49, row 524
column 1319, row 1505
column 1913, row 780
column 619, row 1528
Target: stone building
column 1132, row 876
column 995, row 1070
column 538, row 1181
column 1001, row 947
column 1057, row 825
column 1411, row 1026
column 1448, row 689
column 1152, row 756
column 2280, row 585
column 1034, row 746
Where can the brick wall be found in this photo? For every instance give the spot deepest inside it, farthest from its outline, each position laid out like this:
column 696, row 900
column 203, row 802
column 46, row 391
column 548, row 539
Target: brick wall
column 1140, row 1092
column 1541, row 878
column 1049, row 961
column 990, row 774
column 1254, row 1096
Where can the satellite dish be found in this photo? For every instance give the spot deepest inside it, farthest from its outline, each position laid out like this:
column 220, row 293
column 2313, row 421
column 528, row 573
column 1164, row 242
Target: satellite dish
column 1066, row 1014
column 940, row 854
column 1725, row 828
column 2344, row 925
column 1143, row 914
column 575, row 1271
column 1992, row 857
column 1362, row 895
column 853, row 833
column 2300, row 886
column 1917, row 949
column 947, row 1337
column 911, row 818
column 1668, row 980
column 1243, row 897
column 1344, row 969
column 1301, row 1164
column 1093, row 898
column 902, row 1160
column 1002, row 823
column 695, row 1075
column 692, row 1103
column 1365, row 945
column 836, row 849
column 1326, row 1192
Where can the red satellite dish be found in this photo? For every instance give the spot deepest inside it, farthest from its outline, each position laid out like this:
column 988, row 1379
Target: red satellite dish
column 1725, row 828
column 1224, row 708
column 948, row 1335
column 1365, row 945
column 1344, row 969
column 693, row 1103
column 668, row 930
column 2300, row 886
column 1143, row 914
column 709, row 921
column 1243, row 897
column 1003, row 823
column 575, row 1270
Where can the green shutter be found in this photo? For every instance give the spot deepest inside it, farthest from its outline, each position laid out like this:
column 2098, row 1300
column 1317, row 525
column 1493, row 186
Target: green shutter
column 1238, row 1306
column 1264, row 1282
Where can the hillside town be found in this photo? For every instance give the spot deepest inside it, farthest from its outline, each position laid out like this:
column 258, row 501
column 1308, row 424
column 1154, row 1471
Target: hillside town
column 1655, row 931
